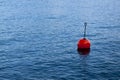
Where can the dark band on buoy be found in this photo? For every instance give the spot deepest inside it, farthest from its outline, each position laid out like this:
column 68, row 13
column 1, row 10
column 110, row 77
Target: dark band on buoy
column 84, row 51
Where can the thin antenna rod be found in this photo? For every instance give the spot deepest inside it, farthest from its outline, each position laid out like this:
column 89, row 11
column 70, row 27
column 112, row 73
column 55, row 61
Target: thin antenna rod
column 85, row 24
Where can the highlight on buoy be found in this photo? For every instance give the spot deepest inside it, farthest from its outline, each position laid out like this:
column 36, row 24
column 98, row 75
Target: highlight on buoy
column 84, row 44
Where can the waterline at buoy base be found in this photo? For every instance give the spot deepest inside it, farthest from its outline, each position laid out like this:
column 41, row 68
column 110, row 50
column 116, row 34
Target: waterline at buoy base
column 83, row 51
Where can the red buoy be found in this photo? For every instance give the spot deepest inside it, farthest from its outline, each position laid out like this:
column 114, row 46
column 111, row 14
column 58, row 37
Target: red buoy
column 84, row 44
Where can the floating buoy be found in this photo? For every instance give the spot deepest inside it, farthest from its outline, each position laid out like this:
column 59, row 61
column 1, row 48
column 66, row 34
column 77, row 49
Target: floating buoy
column 84, row 44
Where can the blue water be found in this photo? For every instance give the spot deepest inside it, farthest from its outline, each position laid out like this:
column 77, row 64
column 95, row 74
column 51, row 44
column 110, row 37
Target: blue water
column 38, row 39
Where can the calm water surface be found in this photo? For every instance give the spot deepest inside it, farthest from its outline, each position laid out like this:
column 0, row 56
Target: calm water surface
column 38, row 39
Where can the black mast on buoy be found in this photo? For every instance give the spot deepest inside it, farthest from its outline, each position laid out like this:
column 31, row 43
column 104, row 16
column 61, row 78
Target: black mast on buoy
column 85, row 24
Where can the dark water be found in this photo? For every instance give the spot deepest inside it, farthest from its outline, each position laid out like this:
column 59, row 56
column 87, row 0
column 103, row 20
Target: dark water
column 38, row 39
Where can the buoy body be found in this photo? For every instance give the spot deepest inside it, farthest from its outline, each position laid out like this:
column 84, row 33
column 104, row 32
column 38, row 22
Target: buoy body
column 84, row 44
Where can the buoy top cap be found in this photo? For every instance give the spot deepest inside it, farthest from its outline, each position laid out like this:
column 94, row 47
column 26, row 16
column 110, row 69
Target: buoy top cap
column 84, row 38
